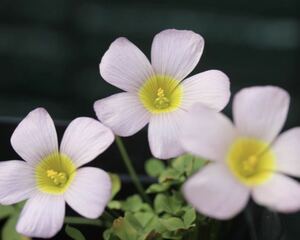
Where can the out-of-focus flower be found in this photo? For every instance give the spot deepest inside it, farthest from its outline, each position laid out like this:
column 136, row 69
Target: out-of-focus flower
column 248, row 159
column 49, row 176
column 155, row 93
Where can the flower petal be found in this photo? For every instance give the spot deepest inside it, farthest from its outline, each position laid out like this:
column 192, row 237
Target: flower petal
column 207, row 133
column 35, row 137
column 287, row 151
column 42, row 216
column 17, row 182
column 175, row 53
column 211, row 88
column 125, row 66
column 214, row 192
column 260, row 112
column 89, row 192
column 163, row 134
column 123, row 113
column 84, row 139
column 280, row 193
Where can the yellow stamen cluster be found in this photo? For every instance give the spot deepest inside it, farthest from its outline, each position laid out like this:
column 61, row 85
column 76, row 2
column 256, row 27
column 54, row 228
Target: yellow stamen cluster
column 251, row 161
column 161, row 94
column 55, row 173
column 58, row 178
column 161, row 102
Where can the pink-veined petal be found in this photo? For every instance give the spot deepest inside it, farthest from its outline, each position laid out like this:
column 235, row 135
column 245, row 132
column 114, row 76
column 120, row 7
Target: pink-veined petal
column 260, row 112
column 35, row 137
column 123, row 113
column 207, row 133
column 175, row 53
column 125, row 66
column 280, row 193
column 84, row 139
column 211, row 88
column 163, row 134
column 287, row 151
column 17, row 181
column 214, row 192
column 42, row 216
column 89, row 192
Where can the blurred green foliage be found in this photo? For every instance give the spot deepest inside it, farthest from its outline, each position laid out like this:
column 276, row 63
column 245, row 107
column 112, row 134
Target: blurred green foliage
column 169, row 216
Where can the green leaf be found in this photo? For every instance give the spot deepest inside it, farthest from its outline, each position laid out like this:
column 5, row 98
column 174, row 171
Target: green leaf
column 158, row 187
column 154, row 167
column 114, row 205
column 134, row 204
column 124, row 230
column 145, row 218
column 189, row 217
column 188, row 164
column 170, row 175
column 169, row 204
column 116, row 184
column 173, row 223
column 161, row 204
column 9, row 230
column 74, row 233
column 6, row 211
column 196, row 164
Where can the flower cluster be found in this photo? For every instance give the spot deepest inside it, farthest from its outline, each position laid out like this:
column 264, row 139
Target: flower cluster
column 249, row 158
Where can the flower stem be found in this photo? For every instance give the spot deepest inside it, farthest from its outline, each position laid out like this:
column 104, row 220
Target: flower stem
column 83, row 221
column 130, row 169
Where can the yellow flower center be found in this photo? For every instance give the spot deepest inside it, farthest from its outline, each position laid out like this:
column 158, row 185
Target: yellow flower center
column 251, row 161
column 55, row 173
column 161, row 94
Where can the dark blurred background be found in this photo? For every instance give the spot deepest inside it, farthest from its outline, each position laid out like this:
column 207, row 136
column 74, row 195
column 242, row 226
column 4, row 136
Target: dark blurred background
column 50, row 51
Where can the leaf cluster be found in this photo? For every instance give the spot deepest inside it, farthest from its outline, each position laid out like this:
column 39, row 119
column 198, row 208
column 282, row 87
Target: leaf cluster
column 168, row 216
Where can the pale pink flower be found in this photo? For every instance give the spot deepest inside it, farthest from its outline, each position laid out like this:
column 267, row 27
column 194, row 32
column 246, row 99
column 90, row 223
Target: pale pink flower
column 247, row 158
column 51, row 176
column 155, row 93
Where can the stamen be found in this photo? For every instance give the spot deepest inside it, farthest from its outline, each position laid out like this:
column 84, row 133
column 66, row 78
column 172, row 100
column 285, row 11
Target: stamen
column 161, row 101
column 249, row 165
column 58, row 178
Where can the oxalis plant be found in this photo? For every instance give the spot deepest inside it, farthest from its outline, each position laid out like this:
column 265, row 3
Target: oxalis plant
column 205, row 168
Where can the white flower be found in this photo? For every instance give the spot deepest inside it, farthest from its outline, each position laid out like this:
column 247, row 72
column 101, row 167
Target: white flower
column 154, row 92
column 248, row 159
column 49, row 176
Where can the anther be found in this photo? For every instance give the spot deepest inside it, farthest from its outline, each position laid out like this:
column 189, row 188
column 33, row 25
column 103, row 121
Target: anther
column 58, row 178
column 161, row 101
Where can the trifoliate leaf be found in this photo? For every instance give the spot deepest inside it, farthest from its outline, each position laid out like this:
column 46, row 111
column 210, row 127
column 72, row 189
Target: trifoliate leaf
column 195, row 165
column 168, row 204
column 189, row 217
column 74, row 233
column 134, row 204
column 116, row 184
column 154, row 167
column 145, row 219
column 170, row 175
column 158, row 187
column 188, row 164
column 173, row 223
column 124, row 230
